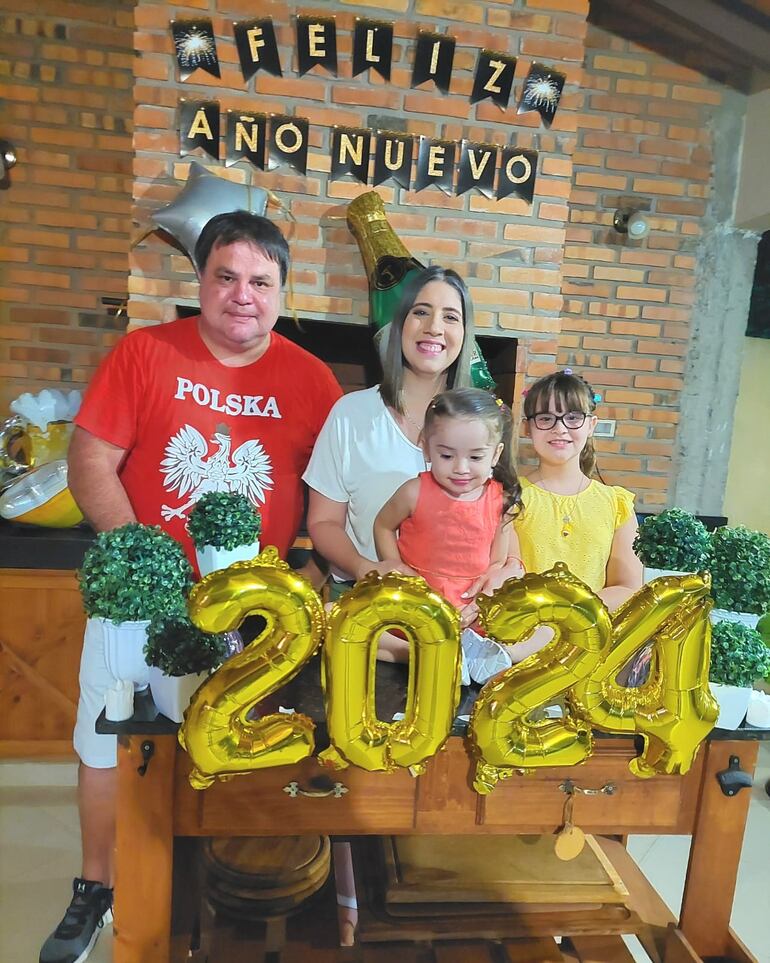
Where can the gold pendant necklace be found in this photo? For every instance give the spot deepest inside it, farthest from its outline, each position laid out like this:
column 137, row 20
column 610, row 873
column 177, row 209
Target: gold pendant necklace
column 412, row 422
column 569, row 509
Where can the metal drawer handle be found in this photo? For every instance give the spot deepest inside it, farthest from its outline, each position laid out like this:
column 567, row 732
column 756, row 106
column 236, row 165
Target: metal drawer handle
column 570, row 787
column 294, row 789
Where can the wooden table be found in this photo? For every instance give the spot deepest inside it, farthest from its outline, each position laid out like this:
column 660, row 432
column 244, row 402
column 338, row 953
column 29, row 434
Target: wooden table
column 159, row 805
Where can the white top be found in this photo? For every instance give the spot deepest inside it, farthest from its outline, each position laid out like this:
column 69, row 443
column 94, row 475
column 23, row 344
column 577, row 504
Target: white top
column 361, row 457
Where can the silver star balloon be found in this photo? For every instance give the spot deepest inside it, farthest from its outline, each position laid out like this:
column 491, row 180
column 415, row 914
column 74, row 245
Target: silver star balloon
column 204, row 196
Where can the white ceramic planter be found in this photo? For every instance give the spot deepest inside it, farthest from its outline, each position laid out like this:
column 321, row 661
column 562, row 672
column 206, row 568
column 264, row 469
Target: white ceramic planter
column 652, row 573
column 172, row 693
column 211, row 559
column 725, row 615
column 733, row 704
column 759, row 710
column 124, row 644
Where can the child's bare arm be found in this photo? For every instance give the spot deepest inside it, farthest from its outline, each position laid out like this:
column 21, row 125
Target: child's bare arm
column 395, row 511
column 504, row 561
column 499, row 553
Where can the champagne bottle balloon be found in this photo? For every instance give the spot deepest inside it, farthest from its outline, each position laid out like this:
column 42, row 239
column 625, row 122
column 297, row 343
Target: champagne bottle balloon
column 389, row 265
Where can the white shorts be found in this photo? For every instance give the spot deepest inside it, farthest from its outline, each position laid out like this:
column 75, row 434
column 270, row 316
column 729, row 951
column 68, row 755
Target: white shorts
column 95, row 750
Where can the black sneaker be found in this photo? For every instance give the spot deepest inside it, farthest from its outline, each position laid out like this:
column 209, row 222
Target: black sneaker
column 75, row 937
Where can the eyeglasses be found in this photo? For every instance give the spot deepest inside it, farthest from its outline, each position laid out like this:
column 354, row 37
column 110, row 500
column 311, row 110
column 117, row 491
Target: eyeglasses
column 545, row 420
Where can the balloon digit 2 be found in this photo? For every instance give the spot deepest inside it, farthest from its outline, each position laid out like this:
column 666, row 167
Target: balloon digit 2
column 216, row 732
column 503, row 737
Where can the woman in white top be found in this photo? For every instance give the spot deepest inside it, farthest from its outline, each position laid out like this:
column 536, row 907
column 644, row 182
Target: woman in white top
column 370, row 443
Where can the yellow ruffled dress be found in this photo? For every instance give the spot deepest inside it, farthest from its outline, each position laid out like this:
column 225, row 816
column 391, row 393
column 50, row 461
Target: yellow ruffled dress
column 575, row 529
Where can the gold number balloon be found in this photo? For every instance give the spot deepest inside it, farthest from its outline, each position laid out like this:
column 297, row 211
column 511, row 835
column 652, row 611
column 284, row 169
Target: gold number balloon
column 503, row 737
column 216, row 732
column 602, row 700
column 673, row 710
column 355, row 623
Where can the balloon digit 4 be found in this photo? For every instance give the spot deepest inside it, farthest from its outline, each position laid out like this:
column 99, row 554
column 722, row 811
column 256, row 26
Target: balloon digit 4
column 216, row 732
column 673, row 709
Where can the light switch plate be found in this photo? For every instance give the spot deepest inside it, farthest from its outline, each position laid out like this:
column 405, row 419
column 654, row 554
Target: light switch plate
column 605, row 428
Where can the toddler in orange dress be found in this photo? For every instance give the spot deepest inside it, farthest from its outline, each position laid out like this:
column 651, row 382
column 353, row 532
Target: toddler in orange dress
column 451, row 525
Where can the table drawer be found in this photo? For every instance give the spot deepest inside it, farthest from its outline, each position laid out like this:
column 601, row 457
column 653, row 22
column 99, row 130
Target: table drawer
column 257, row 803
column 660, row 804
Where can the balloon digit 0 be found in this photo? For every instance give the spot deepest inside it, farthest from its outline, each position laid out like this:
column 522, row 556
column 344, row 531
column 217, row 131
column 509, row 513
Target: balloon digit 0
column 355, row 624
column 502, row 736
column 216, row 732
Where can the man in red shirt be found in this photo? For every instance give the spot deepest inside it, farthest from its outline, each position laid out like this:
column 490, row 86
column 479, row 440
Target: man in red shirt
column 219, row 402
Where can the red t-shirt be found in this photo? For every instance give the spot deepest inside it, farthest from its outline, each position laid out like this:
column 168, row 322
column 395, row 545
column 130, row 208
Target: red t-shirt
column 191, row 425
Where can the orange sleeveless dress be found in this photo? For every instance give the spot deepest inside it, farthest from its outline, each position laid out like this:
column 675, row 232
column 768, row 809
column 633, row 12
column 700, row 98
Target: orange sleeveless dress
column 448, row 540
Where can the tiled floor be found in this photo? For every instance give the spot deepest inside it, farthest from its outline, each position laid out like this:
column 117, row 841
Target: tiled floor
column 40, row 851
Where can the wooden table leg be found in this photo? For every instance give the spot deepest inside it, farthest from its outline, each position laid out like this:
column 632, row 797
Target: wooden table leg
column 715, row 853
column 144, row 850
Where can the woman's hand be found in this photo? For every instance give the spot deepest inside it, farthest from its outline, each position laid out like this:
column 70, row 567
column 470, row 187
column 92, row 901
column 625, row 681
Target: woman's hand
column 490, row 581
column 494, row 577
column 468, row 615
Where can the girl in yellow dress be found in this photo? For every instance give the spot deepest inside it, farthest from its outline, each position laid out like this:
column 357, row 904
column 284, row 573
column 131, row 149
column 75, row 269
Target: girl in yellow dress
column 569, row 514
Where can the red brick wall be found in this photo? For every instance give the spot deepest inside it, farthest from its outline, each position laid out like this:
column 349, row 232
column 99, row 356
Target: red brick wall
column 632, row 126
column 66, row 71
column 645, row 137
column 508, row 251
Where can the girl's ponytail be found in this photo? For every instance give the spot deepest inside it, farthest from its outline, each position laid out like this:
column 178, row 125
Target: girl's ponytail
column 588, row 461
column 505, row 469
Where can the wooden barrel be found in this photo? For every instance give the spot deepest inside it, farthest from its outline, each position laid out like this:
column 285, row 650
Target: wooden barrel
column 250, row 877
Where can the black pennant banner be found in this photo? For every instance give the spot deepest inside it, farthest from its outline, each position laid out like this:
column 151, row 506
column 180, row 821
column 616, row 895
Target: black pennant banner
column 195, row 47
column 541, row 92
column 433, row 59
column 199, row 126
column 477, row 168
column 316, row 44
column 245, row 137
column 288, row 142
column 257, row 47
column 518, row 170
column 435, row 164
column 350, row 153
column 372, row 47
column 393, row 158
column 494, row 78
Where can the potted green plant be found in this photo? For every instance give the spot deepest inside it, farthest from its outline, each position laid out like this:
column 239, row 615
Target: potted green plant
column 180, row 657
column 225, row 528
column 740, row 574
column 672, row 543
column 738, row 658
column 130, row 575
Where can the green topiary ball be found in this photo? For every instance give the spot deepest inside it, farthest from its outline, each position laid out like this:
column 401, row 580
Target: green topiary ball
column 177, row 647
column 740, row 570
column 224, row 520
column 738, row 655
column 133, row 573
column 674, row 540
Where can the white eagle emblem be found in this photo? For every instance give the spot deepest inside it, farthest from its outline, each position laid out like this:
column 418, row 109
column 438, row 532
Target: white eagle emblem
column 187, row 468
